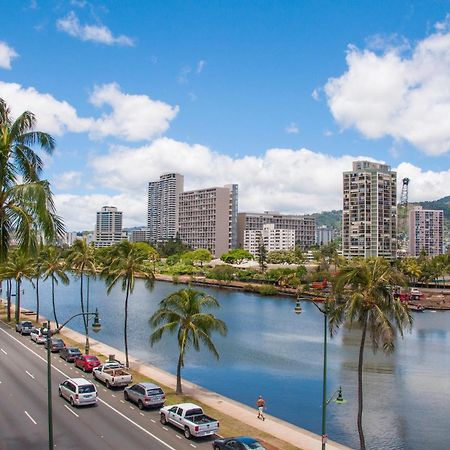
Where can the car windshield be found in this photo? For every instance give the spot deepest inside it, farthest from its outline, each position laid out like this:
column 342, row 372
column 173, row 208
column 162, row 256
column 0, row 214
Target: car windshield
column 92, row 359
column 27, row 324
column 74, row 350
column 58, row 341
column 86, row 389
column 194, row 412
column 154, row 391
column 253, row 446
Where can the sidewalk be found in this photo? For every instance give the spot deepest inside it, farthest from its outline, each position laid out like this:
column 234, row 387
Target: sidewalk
column 285, row 431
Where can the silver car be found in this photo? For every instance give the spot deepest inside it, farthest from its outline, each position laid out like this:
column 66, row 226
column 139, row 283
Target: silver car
column 145, row 395
column 37, row 336
column 78, row 391
column 24, row 327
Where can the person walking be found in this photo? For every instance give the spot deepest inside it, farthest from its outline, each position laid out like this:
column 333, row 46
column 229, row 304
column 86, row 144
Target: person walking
column 261, row 404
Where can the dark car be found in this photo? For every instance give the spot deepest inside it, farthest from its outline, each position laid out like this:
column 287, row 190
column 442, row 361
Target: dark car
column 56, row 344
column 238, row 443
column 70, row 354
column 24, row 327
column 87, row 362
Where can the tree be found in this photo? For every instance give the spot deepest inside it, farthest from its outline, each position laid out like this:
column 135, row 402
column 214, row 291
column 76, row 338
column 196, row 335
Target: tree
column 26, row 207
column 201, row 255
column 18, row 267
column 184, row 313
column 262, row 257
column 364, row 296
column 81, row 259
column 37, row 274
column 54, row 267
column 127, row 260
column 236, row 256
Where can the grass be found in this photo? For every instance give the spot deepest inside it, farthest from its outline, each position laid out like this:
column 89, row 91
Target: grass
column 228, row 426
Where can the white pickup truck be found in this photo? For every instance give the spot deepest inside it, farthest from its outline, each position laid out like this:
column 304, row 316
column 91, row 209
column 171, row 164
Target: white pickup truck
column 190, row 418
column 112, row 375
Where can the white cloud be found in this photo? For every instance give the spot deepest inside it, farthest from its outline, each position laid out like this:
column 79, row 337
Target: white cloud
column 315, row 94
column 7, row 54
column 292, row 128
column 398, row 94
column 67, row 180
column 200, row 66
column 96, row 33
column 53, row 116
column 133, row 117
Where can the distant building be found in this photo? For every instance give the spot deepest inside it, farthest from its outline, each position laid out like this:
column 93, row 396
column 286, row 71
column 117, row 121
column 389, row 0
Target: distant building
column 325, row 235
column 426, row 231
column 207, row 218
column 304, row 227
column 162, row 215
column 70, row 237
column 108, row 228
column 142, row 235
column 272, row 238
column 369, row 214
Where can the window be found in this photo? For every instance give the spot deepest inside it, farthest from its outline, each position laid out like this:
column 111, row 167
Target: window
column 86, row 389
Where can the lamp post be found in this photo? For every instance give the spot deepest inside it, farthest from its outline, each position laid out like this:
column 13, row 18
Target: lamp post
column 325, row 402
column 95, row 327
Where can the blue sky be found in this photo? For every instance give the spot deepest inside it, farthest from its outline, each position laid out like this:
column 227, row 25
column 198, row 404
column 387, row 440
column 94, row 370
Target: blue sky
column 278, row 96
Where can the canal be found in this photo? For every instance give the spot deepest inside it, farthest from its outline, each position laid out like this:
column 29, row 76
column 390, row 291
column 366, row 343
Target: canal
column 271, row 351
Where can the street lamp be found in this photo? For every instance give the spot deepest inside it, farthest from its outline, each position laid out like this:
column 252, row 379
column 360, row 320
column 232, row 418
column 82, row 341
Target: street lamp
column 339, row 399
column 96, row 328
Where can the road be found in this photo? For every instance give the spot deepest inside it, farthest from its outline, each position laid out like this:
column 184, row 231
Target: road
column 112, row 424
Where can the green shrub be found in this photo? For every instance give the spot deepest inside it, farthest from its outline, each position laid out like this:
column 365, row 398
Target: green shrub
column 267, row 290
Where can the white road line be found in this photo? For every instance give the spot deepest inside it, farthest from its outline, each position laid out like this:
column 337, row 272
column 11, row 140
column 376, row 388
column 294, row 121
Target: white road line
column 73, row 412
column 165, row 428
column 105, row 390
column 131, row 407
column 3, row 351
column 99, row 399
column 29, row 374
column 112, row 395
column 192, row 445
column 142, row 414
column 122, row 401
column 154, row 421
column 179, row 437
column 30, row 418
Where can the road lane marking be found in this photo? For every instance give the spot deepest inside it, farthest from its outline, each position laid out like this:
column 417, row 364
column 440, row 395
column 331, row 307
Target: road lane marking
column 122, row 401
column 131, row 407
column 165, row 428
column 179, row 437
column 70, row 409
column 99, row 399
column 3, row 351
column 154, row 421
column 30, row 375
column 112, row 395
column 105, row 390
column 192, row 445
column 30, row 418
column 142, row 414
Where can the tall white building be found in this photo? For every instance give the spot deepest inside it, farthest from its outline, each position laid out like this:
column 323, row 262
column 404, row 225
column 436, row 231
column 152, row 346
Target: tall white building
column 108, row 228
column 272, row 238
column 163, row 206
column 369, row 213
column 207, row 218
column 325, row 235
column 426, row 231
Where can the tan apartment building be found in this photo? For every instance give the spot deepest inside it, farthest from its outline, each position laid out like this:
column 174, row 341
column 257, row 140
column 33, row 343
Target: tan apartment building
column 369, row 213
column 207, row 218
column 272, row 238
column 426, row 231
column 304, row 227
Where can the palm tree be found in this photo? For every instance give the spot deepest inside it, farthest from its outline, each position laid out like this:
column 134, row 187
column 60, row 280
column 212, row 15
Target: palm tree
column 37, row 274
column 54, row 267
column 81, row 259
column 127, row 261
column 18, row 266
column 184, row 313
column 26, row 206
column 364, row 296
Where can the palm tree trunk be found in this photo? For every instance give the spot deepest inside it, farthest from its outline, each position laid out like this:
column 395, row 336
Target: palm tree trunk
column 53, row 301
column 82, row 303
column 125, row 333
column 8, row 300
column 86, row 344
column 362, row 441
column 180, row 363
column 37, row 300
column 17, row 311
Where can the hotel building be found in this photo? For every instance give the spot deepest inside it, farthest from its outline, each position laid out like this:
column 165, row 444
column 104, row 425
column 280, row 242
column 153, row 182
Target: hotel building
column 108, row 228
column 426, row 231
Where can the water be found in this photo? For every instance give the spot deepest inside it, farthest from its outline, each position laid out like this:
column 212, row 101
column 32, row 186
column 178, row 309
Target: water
column 271, row 351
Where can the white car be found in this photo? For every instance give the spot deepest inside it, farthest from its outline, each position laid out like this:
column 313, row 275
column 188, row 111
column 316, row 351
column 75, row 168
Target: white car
column 37, row 336
column 78, row 391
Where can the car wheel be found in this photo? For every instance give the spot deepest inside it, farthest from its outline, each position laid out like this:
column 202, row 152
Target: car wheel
column 163, row 419
column 187, row 433
column 125, row 395
column 140, row 405
column 72, row 403
column 60, row 393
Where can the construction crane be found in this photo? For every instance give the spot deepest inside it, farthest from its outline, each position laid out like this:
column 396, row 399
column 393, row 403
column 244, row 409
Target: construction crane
column 402, row 220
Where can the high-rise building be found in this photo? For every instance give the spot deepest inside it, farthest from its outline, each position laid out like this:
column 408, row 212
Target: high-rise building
column 369, row 213
column 305, row 227
column 325, row 235
column 426, row 231
column 207, row 218
column 272, row 238
column 162, row 216
column 108, row 228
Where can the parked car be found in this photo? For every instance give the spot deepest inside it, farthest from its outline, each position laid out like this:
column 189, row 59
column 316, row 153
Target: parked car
column 145, row 395
column 78, row 391
column 238, row 443
column 112, row 376
column 87, row 362
column 56, row 344
column 24, row 327
column 69, row 353
column 190, row 418
column 37, row 336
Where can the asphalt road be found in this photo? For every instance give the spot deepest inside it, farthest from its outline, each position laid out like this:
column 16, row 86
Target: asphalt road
column 112, row 424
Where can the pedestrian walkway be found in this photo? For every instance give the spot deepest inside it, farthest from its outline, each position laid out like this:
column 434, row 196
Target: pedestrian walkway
column 285, row 431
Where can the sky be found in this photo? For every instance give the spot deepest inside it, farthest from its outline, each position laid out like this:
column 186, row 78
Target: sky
column 277, row 96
